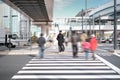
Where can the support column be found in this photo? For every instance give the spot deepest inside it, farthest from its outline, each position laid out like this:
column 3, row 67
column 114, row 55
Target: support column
column 115, row 26
column 11, row 22
column 28, row 28
column 45, row 30
column 99, row 27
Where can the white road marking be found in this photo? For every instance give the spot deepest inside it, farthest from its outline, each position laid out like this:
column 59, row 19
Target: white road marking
column 109, row 64
column 49, row 59
column 75, row 67
column 66, row 66
column 66, row 77
column 117, row 54
column 66, row 71
column 63, row 61
column 73, row 64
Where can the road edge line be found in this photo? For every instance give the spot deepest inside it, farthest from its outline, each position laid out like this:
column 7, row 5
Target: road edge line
column 109, row 64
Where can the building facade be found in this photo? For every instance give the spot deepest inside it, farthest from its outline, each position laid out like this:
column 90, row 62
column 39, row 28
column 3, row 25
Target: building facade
column 16, row 23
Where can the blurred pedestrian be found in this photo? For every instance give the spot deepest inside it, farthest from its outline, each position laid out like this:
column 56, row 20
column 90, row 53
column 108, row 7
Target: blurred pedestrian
column 61, row 40
column 86, row 47
column 83, row 37
column 41, row 42
column 66, row 41
column 93, row 43
column 74, row 41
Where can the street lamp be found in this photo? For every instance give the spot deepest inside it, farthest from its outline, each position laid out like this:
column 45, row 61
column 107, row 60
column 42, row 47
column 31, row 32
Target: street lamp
column 86, row 4
column 86, row 13
column 82, row 20
column 115, row 27
column 89, row 25
column 93, row 23
column 99, row 27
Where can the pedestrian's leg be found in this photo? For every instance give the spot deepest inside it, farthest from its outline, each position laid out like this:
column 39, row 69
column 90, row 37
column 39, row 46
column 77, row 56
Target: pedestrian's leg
column 76, row 51
column 65, row 44
column 41, row 52
column 63, row 47
column 73, row 50
column 86, row 55
column 59, row 47
column 74, row 55
column 93, row 55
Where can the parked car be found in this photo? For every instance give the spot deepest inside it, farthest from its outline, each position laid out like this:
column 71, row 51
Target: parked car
column 110, row 40
column 103, row 40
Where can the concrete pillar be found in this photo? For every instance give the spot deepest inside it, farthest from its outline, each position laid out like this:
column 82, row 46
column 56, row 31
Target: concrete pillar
column 29, row 28
column 45, row 29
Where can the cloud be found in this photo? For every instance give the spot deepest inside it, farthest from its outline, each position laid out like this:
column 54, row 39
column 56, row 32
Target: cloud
column 60, row 4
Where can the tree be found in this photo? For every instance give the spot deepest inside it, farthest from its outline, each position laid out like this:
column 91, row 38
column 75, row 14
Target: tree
column 34, row 38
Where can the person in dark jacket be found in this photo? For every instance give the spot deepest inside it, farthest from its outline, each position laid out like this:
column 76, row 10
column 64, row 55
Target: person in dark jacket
column 41, row 42
column 74, row 41
column 60, row 39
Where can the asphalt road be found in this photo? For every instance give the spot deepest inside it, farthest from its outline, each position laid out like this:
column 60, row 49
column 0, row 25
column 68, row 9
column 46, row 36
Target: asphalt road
column 10, row 65
column 105, row 52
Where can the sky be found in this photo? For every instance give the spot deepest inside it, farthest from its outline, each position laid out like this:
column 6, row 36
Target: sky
column 70, row 8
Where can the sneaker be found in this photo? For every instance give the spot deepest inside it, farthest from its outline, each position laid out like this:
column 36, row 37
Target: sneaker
column 75, row 56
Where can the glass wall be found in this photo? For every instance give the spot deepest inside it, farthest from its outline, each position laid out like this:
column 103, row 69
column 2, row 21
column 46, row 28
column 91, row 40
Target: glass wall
column 16, row 23
column 6, row 17
column 10, row 19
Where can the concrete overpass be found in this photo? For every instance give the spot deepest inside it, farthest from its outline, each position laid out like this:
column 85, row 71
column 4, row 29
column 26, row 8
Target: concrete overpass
column 106, row 13
column 105, row 10
column 40, row 12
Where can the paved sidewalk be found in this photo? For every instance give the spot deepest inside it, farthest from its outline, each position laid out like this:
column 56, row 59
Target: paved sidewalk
column 21, row 51
column 33, row 50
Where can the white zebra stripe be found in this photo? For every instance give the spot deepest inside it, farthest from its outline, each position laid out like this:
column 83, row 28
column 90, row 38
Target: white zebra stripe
column 54, row 59
column 73, row 64
column 62, row 64
column 64, row 67
column 66, row 77
column 66, row 71
column 62, row 61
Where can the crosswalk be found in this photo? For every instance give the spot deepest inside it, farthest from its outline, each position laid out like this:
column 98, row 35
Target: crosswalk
column 66, row 69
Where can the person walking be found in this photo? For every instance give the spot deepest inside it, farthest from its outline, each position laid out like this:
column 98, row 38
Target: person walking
column 93, row 43
column 74, row 41
column 66, row 41
column 41, row 42
column 86, row 47
column 83, row 37
column 60, row 39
